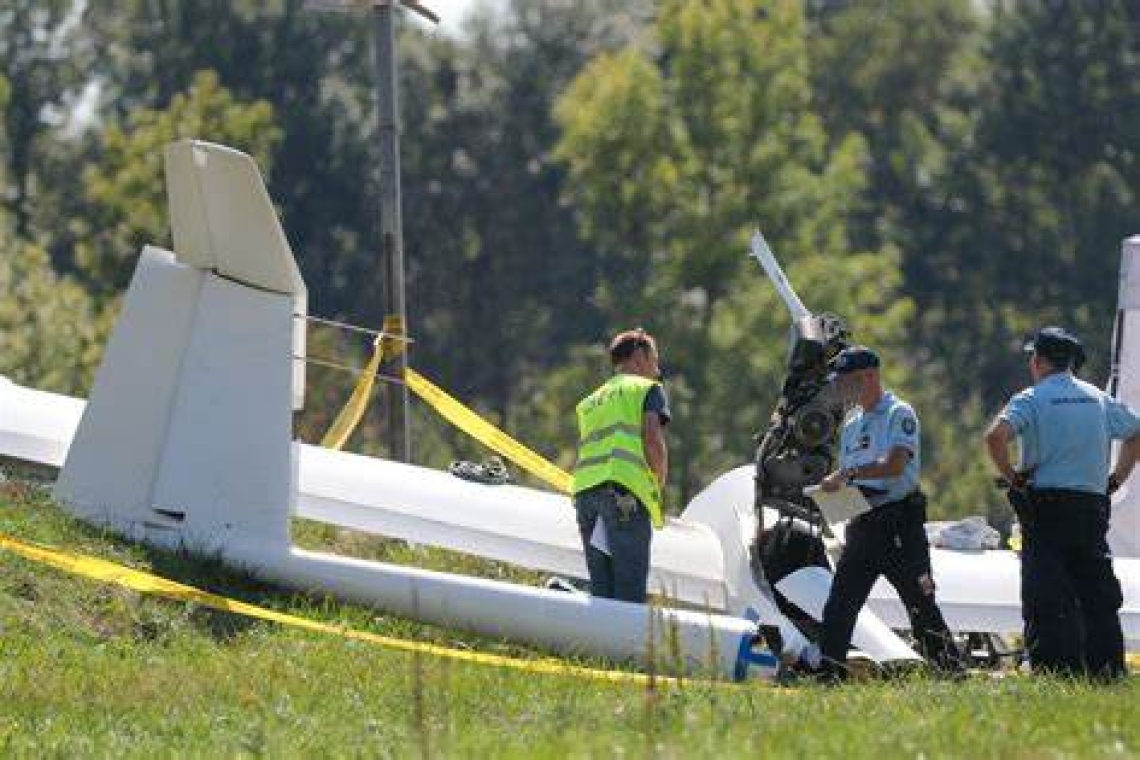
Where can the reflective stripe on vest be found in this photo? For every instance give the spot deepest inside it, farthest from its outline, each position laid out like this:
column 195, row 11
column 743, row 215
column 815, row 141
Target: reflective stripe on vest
column 611, row 449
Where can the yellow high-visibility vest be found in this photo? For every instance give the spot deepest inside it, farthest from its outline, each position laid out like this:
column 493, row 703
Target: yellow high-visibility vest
column 610, row 448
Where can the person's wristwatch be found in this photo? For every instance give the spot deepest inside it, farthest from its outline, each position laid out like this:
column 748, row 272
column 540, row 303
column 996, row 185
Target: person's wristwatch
column 1113, row 484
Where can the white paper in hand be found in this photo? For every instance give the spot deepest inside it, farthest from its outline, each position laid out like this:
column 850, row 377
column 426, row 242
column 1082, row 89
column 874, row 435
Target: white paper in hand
column 598, row 538
column 838, row 506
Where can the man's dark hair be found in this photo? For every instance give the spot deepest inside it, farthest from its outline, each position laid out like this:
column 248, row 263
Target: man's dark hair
column 626, row 343
column 1060, row 349
column 1071, row 360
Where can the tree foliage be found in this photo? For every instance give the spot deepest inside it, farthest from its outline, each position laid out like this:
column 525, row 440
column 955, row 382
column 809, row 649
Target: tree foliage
column 46, row 334
column 906, row 76
column 498, row 278
column 316, row 70
column 126, row 192
column 1055, row 183
column 676, row 150
column 43, row 55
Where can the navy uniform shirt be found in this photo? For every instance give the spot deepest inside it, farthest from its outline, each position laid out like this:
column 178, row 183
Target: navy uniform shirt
column 870, row 435
column 657, row 401
column 1065, row 427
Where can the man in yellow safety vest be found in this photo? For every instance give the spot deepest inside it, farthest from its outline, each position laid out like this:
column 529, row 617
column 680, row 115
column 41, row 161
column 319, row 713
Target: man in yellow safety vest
column 622, row 466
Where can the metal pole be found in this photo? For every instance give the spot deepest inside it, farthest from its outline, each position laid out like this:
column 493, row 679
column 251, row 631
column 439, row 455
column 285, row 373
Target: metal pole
column 391, row 232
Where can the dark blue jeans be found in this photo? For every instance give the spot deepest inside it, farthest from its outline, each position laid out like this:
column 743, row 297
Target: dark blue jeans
column 624, row 573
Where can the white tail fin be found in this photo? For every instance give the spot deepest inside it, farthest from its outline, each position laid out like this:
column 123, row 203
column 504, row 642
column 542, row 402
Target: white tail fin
column 1124, row 383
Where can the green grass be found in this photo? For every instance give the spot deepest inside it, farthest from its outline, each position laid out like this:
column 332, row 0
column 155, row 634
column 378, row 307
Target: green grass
column 90, row 669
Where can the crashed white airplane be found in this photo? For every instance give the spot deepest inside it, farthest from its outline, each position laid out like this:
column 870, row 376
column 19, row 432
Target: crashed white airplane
column 186, row 441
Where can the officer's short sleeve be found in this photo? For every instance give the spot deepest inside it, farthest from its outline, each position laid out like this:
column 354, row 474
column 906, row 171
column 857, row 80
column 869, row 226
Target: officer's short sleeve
column 1122, row 421
column 657, row 401
column 1018, row 412
column 904, row 430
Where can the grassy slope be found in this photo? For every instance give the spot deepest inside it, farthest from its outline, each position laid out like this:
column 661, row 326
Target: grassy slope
column 92, row 669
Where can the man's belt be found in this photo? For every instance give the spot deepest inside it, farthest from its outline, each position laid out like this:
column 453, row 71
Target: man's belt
column 872, row 494
column 914, row 500
column 1029, row 502
column 611, row 487
column 1049, row 497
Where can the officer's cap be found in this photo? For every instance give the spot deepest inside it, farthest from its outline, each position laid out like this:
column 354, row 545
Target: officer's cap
column 852, row 359
column 1059, row 347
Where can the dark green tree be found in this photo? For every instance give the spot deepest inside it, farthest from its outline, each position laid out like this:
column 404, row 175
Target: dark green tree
column 126, row 191
column 499, row 280
column 47, row 337
column 1057, row 172
column 44, row 56
column 314, row 68
column 906, row 75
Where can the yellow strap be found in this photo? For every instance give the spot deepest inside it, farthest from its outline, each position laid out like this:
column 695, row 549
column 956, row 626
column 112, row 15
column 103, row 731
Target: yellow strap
column 486, row 433
column 109, row 572
column 353, row 410
column 451, row 409
column 393, row 334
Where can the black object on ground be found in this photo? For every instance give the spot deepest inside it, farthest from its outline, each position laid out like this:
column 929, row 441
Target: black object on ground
column 491, row 472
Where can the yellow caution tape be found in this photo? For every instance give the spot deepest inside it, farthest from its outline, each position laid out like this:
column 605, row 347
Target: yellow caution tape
column 486, row 433
column 387, row 345
column 109, row 572
column 353, row 410
column 137, row 580
column 392, row 338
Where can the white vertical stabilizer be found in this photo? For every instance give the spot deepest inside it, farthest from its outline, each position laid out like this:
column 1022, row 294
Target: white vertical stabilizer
column 186, row 438
column 222, row 221
column 1124, row 536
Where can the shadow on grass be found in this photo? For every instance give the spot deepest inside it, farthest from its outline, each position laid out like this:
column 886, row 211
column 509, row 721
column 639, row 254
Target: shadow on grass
column 209, row 574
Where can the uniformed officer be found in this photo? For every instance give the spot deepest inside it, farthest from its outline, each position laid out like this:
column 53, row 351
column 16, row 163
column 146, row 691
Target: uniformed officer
column 880, row 453
column 622, row 465
column 1070, row 597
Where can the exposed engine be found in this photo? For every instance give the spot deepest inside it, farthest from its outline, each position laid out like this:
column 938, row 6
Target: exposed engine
column 797, row 449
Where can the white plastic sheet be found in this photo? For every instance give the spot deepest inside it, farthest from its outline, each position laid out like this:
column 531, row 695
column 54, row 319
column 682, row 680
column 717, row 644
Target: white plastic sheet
column 968, row 534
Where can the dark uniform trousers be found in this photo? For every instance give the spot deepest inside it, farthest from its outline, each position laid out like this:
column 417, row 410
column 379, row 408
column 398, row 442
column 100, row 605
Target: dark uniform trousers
column 890, row 540
column 1070, row 597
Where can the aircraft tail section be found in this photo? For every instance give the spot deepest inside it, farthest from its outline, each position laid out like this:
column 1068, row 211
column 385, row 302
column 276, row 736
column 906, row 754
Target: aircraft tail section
column 1124, row 383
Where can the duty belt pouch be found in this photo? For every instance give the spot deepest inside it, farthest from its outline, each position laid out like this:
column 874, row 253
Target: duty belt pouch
column 627, row 504
column 1022, row 502
column 917, row 502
